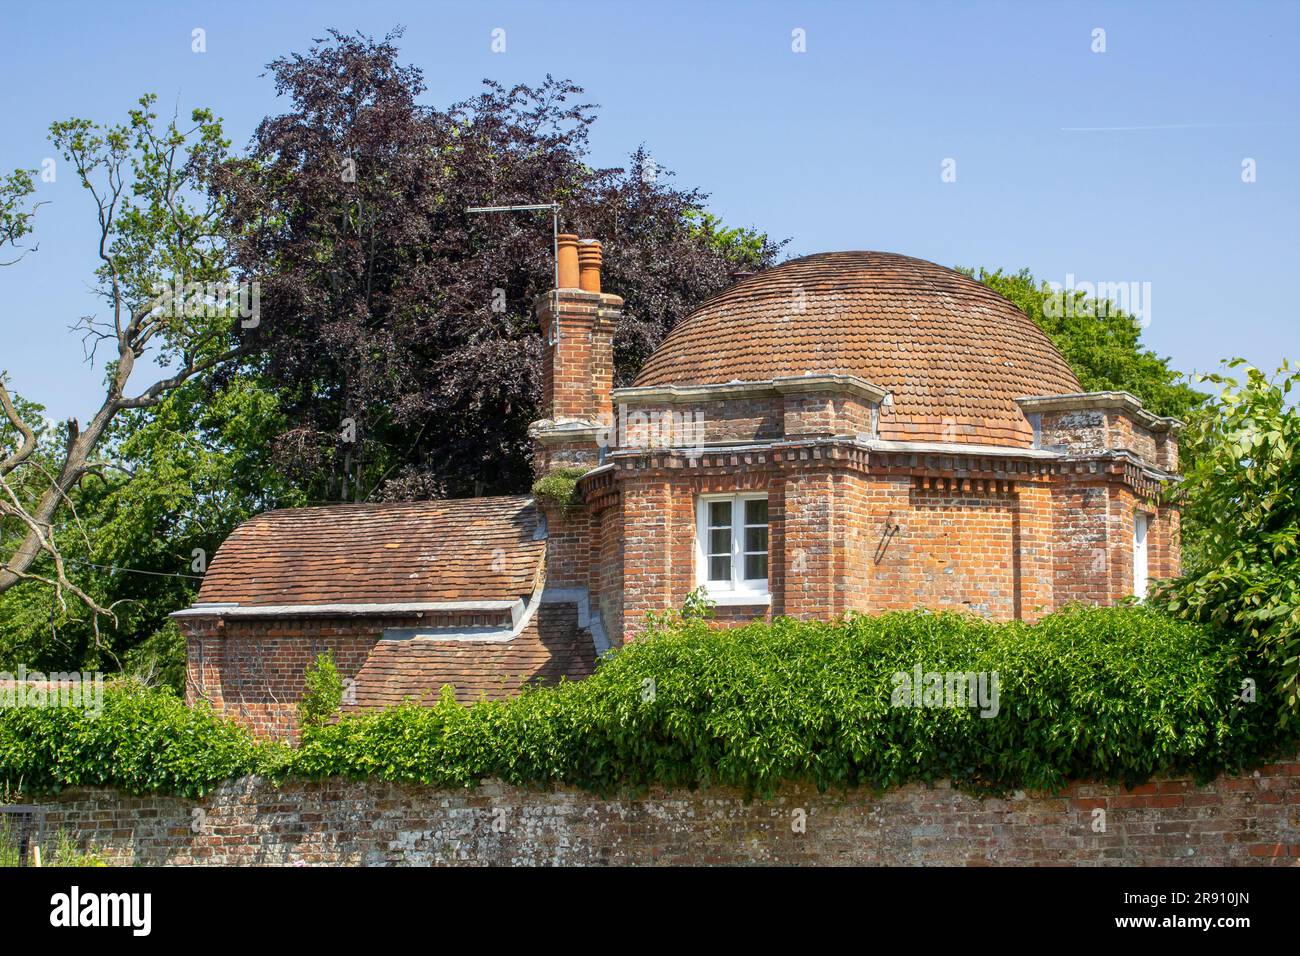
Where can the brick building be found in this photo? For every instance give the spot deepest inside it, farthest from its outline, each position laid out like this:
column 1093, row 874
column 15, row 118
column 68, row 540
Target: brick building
column 852, row 431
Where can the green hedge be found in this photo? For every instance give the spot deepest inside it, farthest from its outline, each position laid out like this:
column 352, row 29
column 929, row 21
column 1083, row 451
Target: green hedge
column 1106, row 694
column 1115, row 694
column 142, row 741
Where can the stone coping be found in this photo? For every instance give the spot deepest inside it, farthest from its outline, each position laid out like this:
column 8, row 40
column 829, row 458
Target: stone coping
column 1084, row 401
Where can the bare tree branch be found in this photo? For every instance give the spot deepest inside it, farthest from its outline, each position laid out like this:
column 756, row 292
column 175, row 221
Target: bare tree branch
column 155, row 220
column 24, row 451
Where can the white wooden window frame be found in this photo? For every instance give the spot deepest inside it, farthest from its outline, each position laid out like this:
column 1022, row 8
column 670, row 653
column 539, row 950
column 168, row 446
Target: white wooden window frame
column 738, row 590
column 1141, row 553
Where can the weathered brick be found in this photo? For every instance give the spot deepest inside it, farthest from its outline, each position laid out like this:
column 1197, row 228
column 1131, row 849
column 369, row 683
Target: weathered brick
column 333, row 822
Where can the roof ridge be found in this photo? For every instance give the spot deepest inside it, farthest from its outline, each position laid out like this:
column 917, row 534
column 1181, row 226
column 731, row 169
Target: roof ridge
column 521, row 499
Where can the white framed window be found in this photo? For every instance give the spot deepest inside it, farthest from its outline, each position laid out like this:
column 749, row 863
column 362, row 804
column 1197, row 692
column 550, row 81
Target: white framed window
column 1141, row 525
column 731, row 547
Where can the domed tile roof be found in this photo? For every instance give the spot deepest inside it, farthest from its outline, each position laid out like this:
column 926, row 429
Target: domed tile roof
column 953, row 354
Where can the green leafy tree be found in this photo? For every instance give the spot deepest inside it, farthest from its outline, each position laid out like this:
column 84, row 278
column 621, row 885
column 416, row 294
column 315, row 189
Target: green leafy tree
column 745, row 248
column 156, row 228
column 1243, row 494
column 1102, row 343
column 15, row 212
column 137, row 537
column 159, row 660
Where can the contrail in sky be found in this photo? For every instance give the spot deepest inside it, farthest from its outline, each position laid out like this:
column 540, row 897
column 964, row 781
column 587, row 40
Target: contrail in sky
column 1107, row 129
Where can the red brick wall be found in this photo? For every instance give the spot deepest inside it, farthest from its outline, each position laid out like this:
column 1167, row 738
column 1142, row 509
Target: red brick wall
column 1034, row 559
column 1087, row 431
column 961, row 550
column 658, row 521
column 843, row 540
column 254, row 670
column 755, row 418
column 826, row 414
column 1082, row 564
column 1249, row 820
column 749, row 419
column 1093, row 544
column 550, row 455
column 569, row 537
column 578, row 362
column 1167, row 452
column 1120, row 523
column 812, row 541
column 1128, row 434
column 646, row 546
column 1165, row 544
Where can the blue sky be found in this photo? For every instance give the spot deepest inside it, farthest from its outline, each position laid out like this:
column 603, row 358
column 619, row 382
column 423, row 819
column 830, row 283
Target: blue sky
column 839, row 147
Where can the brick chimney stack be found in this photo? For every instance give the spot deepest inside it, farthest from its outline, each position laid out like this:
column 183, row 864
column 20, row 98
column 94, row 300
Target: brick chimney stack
column 578, row 323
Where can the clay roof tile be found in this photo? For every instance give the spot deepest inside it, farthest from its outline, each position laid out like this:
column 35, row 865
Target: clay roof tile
column 472, row 549
column 955, row 354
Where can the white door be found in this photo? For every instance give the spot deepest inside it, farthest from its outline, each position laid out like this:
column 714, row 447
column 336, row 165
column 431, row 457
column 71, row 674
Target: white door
column 1140, row 524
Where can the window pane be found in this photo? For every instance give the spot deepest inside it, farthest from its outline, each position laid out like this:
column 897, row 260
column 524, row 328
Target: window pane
column 720, row 514
column 756, row 539
column 756, row 511
column 720, row 541
column 756, row 567
column 720, row 568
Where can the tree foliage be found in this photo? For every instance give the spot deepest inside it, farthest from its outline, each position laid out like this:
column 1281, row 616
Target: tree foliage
column 322, row 692
column 376, row 297
column 185, row 474
column 15, row 212
column 155, row 228
column 400, row 328
column 1101, row 343
column 1243, row 496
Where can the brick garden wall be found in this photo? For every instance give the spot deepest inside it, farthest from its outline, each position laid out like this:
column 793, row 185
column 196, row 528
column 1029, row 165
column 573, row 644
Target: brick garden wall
column 1254, row 819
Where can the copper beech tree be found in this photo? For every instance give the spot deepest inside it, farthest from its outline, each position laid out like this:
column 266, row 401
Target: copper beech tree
column 398, row 328
column 169, row 314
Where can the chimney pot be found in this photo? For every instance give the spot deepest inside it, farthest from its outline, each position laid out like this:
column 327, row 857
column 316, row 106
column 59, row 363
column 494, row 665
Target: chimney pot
column 566, row 253
column 589, row 259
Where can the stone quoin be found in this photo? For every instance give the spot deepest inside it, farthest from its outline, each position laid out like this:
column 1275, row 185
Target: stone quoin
column 851, row 431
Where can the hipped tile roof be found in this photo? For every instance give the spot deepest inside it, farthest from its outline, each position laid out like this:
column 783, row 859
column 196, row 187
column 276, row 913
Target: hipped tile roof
column 953, row 354
column 471, row 549
column 551, row 646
